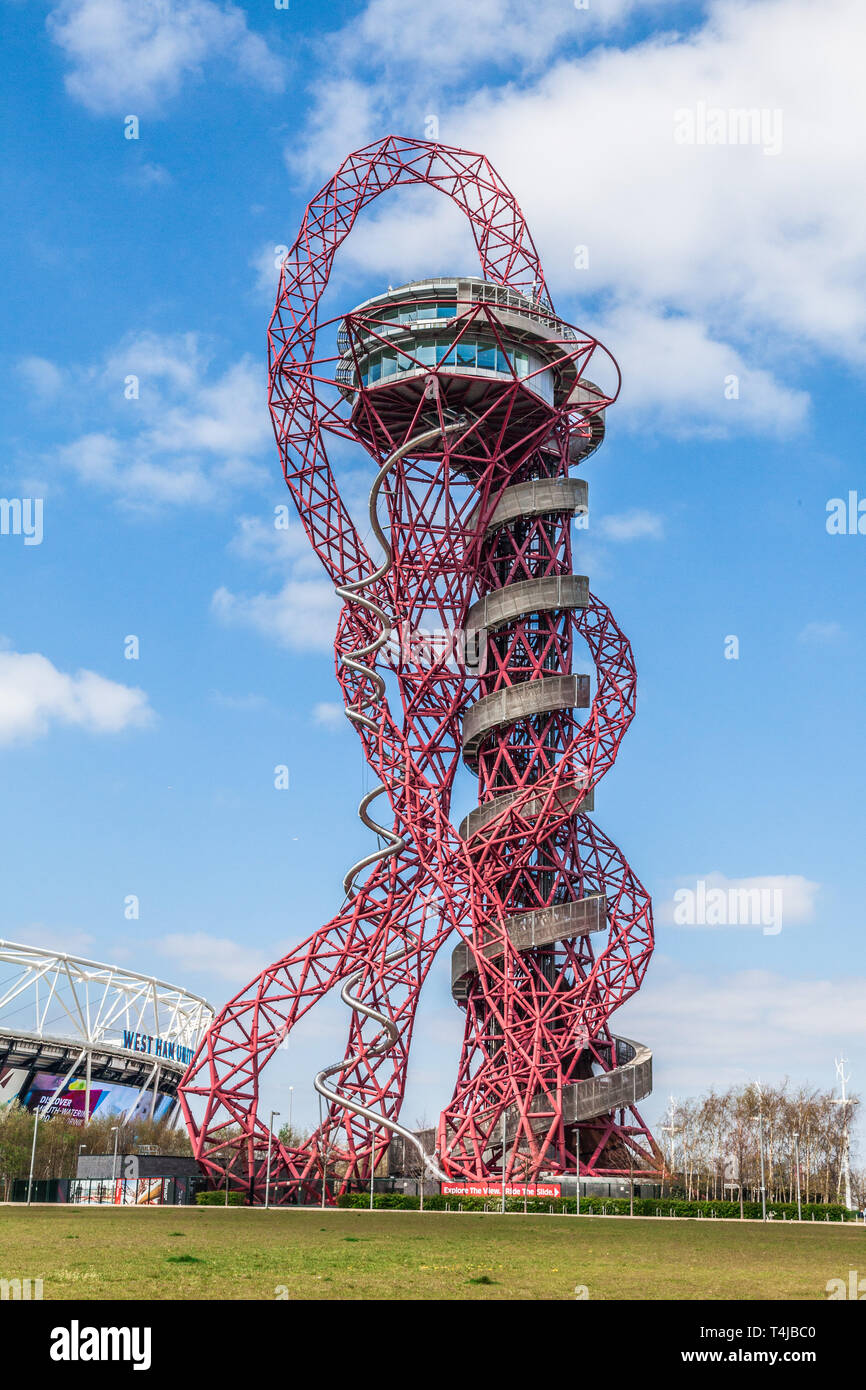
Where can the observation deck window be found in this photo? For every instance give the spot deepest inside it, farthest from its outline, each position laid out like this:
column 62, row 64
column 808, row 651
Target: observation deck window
column 465, row 355
column 403, row 314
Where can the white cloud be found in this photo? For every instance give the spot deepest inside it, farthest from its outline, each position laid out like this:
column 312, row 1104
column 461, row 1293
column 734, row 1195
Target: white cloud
column 822, row 634
column 344, row 116
column 266, row 263
column 148, row 175
column 34, row 696
column 450, row 39
column 128, row 58
column 105, row 461
column 275, row 547
column 242, row 704
column 715, row 1030
column 705, row 262
column 71, row 942
column 192, row 435
column 213, row 955
column 42, row 378
column 227, row 417
column 406, row 234
column 329, row 715
column 302, row 615
column 631, row 526
column 177, row 361
column 683, row 380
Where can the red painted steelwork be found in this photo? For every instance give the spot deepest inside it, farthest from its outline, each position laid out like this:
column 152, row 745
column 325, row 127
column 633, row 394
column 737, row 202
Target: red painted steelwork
column 537, row 1018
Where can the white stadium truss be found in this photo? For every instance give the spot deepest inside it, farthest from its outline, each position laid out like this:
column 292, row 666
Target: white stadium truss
column 64, row 1012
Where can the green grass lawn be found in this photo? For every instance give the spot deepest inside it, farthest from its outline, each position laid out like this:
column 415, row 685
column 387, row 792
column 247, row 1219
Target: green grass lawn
column 187, row 1252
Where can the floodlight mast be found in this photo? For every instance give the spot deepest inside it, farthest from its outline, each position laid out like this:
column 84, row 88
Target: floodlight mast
column 456, row 641
column 845, row 1101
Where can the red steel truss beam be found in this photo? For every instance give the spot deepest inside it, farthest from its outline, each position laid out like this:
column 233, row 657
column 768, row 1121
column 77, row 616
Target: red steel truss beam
column 536, row 1020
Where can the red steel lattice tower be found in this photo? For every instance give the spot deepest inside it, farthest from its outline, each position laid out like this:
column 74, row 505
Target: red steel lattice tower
column 456, row 641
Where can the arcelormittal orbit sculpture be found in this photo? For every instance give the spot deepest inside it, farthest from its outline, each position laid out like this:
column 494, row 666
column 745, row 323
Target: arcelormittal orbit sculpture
column 456, row 640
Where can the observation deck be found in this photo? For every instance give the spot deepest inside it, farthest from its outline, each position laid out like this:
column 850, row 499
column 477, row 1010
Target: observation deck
column 478, row 339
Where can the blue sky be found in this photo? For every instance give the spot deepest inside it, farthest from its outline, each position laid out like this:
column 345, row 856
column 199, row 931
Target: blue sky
column 155, row 258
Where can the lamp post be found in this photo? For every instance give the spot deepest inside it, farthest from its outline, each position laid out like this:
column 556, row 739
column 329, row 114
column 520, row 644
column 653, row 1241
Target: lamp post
column 324, row 1154
column 671, row 1129
column 32, row 1155
column 504, row 1161
column 268, row 1175
column 114, row 1131
column 293, row 1194
column 577, row 1165
column 763, row 1184
column 845, row 1101
column 797, row 1155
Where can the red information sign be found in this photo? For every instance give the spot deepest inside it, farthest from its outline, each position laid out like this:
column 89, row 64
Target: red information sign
column 494, row 1189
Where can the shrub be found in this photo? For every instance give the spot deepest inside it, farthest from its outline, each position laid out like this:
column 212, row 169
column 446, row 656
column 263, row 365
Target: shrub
column 218, row 1199
column 596, row 1206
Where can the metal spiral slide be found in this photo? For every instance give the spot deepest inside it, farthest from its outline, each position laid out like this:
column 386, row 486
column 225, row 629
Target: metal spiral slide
column 537, row 765
column 356, row 661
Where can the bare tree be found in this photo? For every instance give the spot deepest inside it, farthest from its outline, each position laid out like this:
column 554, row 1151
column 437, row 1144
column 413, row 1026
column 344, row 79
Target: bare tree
column 711, row 1136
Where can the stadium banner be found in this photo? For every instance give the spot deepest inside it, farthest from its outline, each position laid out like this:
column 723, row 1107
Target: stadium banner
column 494, row 1189
column 11, row 1081
column 107, row 1097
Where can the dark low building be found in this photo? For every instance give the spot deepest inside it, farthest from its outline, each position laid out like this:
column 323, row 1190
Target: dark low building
column 135, row 1180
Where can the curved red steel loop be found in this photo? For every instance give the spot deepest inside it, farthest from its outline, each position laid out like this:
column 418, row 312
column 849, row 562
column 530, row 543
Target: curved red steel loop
column 507, row 256
column 537, row 1033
